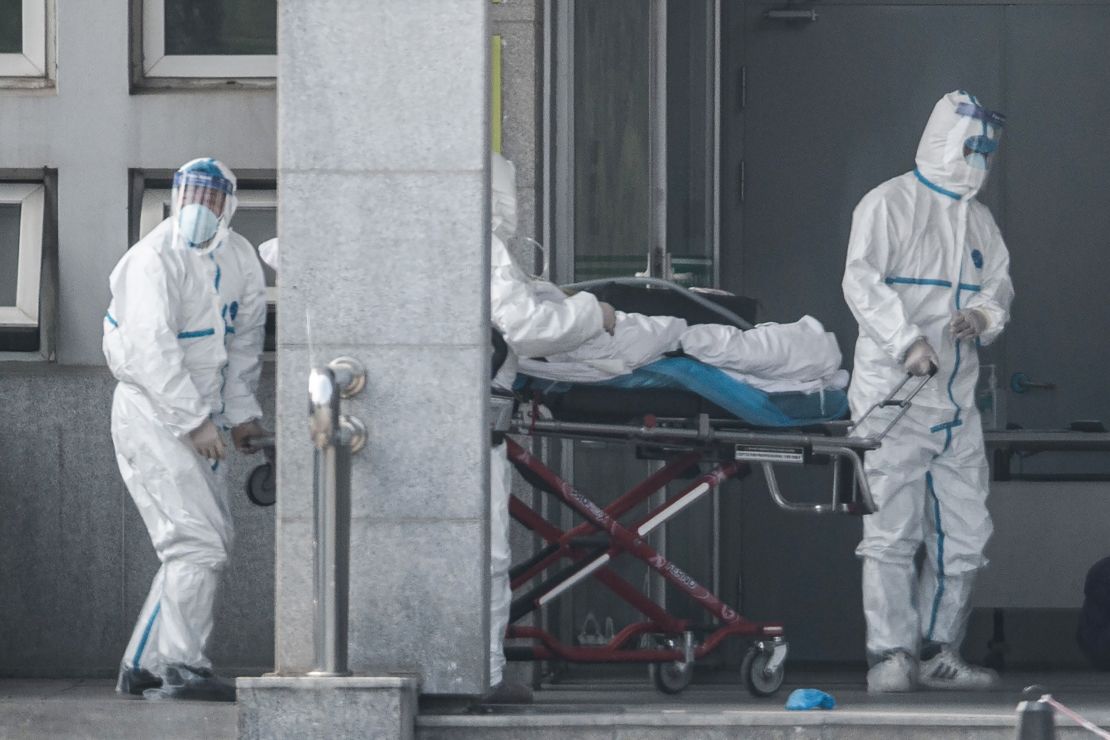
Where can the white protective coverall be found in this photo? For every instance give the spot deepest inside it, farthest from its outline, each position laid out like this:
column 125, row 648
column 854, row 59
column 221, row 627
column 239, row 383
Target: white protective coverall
column 183, row 335
column 922, row 248
column 533, row 326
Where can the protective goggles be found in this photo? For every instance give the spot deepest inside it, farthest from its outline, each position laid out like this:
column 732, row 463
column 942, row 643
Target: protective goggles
column 978, row 112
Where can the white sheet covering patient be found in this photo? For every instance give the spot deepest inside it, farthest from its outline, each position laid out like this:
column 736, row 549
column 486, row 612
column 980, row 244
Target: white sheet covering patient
column 800, row 356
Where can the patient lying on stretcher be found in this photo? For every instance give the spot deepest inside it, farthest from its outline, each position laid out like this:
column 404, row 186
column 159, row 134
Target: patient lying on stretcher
column 799, row 356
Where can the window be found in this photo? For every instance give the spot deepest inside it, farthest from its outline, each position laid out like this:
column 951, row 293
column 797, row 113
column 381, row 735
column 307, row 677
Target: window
column 21, row 226
column 255, row 219
column 208, row 39
column 26, row 56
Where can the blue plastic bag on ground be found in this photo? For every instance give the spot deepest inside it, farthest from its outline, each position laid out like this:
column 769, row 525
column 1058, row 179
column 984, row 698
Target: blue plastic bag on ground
column 802, row 699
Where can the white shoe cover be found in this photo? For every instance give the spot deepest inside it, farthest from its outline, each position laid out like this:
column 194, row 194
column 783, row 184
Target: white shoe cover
column 947, row 670
column 893, row 674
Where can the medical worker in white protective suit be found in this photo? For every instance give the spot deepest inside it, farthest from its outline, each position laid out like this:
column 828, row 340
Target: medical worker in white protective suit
column 533, row 325
column 183, row 335
column 927, row 278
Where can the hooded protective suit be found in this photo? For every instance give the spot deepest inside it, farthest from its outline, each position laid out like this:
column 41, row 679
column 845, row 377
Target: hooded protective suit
column 536, row 320
column 183, row 335
column 921, row 250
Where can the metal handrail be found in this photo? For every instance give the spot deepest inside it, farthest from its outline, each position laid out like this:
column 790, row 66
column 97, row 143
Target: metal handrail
column 702, row 301
column 335, row 437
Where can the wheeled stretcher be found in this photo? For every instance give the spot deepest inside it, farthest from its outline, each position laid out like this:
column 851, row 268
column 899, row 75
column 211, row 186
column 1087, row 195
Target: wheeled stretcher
column 685, row 432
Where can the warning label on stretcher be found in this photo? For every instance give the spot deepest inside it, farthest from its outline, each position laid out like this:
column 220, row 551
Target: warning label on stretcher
column 758, row 453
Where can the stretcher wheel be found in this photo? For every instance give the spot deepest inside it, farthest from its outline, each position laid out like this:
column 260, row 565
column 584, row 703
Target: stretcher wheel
column 756, row 678
column 262, row 485
column 672, row 677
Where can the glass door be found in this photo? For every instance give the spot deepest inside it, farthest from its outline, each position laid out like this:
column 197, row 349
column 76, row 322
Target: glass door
column 634, row 187
column 632, row 190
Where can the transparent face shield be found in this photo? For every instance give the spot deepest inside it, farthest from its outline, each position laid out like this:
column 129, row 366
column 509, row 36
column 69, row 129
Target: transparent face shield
column 985, row 129
column 201, row 208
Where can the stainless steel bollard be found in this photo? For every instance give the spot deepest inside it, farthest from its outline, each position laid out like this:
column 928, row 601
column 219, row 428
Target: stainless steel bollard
column 335, row 437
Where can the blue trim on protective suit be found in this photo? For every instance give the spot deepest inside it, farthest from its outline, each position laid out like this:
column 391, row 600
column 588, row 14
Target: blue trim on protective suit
column 146, row 635
column 952, row 381
column 971, row 287
column 933, row 186
column 940, row 556
column 112, row 321
column 946, row 425
column 955, row 367
column 897, row 280
column 195, row 334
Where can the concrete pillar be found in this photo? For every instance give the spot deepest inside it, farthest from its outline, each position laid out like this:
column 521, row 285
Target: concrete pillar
column 383, row 155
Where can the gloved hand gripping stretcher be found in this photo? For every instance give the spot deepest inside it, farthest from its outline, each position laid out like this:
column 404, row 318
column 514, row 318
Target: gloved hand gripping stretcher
column 725, row 429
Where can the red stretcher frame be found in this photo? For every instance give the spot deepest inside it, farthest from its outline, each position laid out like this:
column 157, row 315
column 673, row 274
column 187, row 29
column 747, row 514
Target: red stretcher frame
column 591, row 560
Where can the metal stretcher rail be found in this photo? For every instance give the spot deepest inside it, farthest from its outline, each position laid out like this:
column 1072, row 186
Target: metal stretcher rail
column 708, row 434
column 764, row 448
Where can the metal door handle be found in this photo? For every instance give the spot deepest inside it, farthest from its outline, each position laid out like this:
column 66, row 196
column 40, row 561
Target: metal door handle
column 791, row 15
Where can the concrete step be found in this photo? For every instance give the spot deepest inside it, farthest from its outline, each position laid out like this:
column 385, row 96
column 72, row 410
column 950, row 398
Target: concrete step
column 613, row 709
column 628, row 709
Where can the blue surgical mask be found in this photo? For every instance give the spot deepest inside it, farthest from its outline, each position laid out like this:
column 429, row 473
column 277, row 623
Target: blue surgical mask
column 197, row 224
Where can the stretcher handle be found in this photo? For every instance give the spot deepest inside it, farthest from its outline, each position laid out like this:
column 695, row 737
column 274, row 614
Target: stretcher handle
column 866, row 504
column 903, row 404
column 261, row 442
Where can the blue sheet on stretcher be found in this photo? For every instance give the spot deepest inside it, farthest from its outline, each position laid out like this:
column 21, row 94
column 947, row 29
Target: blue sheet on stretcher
column 750, row 404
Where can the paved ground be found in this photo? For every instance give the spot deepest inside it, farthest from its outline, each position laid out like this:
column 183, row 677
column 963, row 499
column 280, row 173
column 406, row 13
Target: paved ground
column 612, row 708
column 90, row 708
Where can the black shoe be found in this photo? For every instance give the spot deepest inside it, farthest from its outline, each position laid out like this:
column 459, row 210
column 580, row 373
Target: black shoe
column 135, row 681
column 508, row 692
column 196, row 684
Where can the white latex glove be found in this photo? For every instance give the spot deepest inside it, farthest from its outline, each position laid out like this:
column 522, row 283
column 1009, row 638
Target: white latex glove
column 268, row 251
column 608, row 317
column 207, row 442
column 968, row 323
column 242, row 434
column 920, row 358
